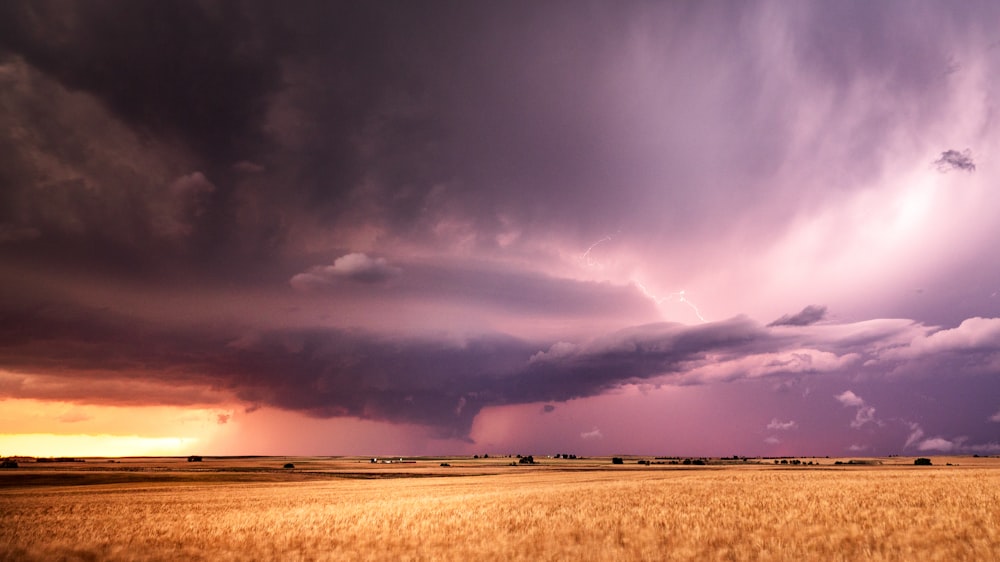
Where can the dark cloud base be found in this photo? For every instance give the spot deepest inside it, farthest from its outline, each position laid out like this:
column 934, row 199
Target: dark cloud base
column 335, row 373
column 441, row 383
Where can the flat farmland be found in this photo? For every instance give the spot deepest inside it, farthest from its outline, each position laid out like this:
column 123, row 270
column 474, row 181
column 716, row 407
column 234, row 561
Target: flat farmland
column 589, row 509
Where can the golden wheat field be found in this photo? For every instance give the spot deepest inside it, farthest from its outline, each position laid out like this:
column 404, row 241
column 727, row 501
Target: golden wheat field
column 349, row 509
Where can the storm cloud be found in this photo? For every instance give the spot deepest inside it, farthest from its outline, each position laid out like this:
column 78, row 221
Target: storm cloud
column 430, row 215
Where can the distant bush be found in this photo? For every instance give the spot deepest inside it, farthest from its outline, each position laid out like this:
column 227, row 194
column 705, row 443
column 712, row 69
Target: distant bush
column 194, row 458
column 617, row 460
column 922, row 461
column 445, row 464
column 8, row 463
column 699, row 462
column 289, row 465
column 527, row 460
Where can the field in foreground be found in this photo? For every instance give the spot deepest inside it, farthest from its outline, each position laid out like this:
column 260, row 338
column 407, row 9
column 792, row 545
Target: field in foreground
column 556, row 511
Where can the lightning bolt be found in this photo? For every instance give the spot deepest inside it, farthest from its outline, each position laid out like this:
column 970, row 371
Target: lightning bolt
column 679, row 296
column 591, row 262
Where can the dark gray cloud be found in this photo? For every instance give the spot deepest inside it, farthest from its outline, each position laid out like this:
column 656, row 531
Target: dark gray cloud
column 334, row 372
column 955, row 160
column 808, row 315
column 556, row 118
column 201, row 71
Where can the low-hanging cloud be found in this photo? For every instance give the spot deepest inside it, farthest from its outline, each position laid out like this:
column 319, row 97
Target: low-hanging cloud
column 439, row 382
column 936, row 444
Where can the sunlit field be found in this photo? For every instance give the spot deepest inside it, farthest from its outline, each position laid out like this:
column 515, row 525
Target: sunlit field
column 485, row 509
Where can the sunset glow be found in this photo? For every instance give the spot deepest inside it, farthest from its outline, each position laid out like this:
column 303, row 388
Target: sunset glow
column 48, row 445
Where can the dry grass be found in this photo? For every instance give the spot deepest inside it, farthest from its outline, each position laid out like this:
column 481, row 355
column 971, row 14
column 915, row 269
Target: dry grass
column 544, row 513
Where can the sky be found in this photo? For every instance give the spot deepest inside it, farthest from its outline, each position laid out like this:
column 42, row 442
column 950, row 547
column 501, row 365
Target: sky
column 592, row 228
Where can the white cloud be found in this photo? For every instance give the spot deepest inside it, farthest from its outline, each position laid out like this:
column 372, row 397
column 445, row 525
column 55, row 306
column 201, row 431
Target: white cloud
column 772, row 440
column 592, row 434
column 995, row 417
column 936, row 444
column 357, row 267
column 972, row 334
column 794, row 361
column 848, row 398
column 782, row 426
column 865, row 413
column 857, row 448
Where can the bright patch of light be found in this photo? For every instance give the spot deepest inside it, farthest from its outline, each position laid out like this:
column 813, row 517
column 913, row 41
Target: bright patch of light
column 52, row 445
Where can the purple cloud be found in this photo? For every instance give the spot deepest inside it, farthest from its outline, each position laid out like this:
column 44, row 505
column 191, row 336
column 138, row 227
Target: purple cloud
column 955, row 160
column 808, row 315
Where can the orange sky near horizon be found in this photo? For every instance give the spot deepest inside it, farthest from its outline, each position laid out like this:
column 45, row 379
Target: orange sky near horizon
column 38, row 428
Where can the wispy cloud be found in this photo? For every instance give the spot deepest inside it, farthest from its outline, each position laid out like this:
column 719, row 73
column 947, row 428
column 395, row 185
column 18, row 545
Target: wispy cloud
column 955, row 160
column 782, row 425
column 808, row 315
column 865, row 413
column 916, row 433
